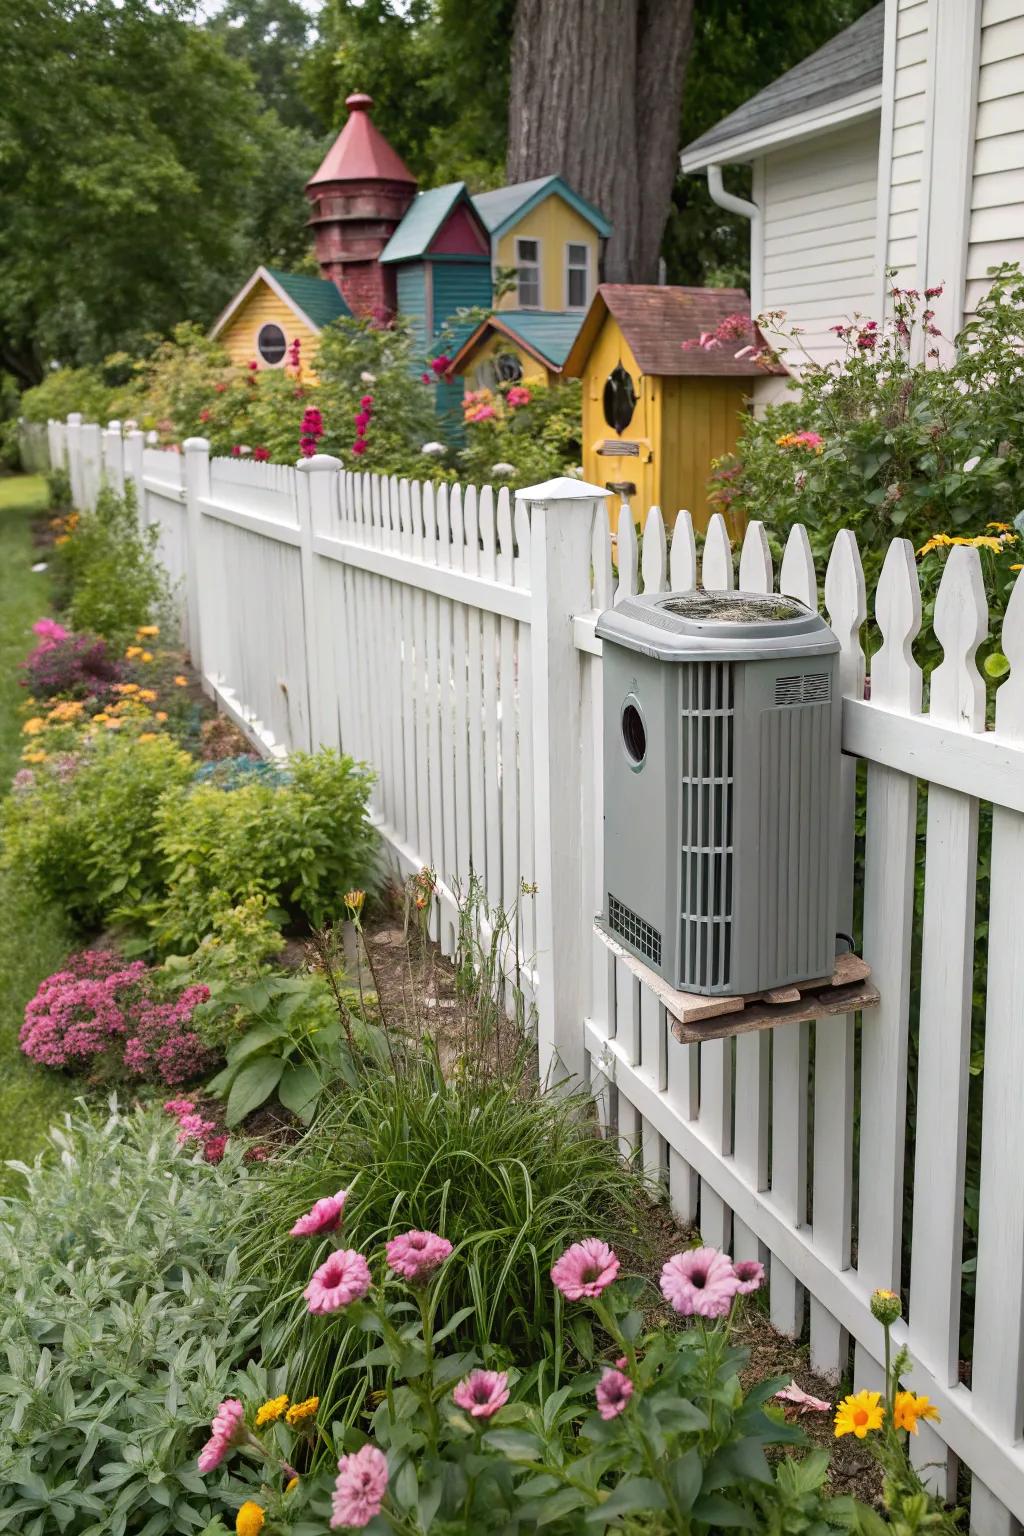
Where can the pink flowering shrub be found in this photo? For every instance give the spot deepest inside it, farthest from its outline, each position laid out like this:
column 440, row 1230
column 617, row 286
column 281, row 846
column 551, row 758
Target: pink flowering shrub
column 100, row 1016
column 74, row 666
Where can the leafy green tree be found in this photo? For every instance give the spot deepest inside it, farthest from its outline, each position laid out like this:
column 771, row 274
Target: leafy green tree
column 274, row 38
column 139, row 172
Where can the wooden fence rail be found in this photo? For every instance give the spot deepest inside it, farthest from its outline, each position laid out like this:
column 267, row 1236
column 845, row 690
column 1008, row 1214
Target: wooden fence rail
column 447, row 635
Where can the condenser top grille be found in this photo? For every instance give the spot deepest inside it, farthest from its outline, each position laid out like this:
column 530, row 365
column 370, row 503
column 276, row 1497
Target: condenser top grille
column 732, row 607
column 717, row 626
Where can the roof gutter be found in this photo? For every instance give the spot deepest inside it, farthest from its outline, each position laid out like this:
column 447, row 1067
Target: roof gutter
column 747, row 210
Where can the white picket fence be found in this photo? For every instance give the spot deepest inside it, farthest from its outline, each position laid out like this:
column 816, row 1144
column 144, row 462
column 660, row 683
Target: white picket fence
column 447, row 636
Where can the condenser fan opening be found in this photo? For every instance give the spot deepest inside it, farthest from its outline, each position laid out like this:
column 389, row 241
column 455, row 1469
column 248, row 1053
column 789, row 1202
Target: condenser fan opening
column 732, row 607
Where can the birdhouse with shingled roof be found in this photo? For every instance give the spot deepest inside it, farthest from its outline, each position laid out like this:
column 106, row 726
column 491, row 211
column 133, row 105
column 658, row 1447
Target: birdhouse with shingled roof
column 663, row 396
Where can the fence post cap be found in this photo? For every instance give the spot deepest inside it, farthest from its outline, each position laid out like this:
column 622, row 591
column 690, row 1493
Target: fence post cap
column 318, row 461
column 74, row 418
column 562, row 488
column 196, row 445
column 113, row 426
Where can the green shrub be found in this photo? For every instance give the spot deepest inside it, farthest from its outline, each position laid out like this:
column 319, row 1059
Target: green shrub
column 66, row 390
column 356, row 358
column 302, row 844
column 534, row 441
column 123, row 1316
column 108, row 573
column 84, row 835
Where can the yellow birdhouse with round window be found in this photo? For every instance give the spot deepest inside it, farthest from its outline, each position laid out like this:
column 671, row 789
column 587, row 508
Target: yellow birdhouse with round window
column 663, row 396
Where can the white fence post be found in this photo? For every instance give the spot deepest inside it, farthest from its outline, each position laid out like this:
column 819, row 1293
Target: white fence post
column 112, row 457
column 134, row 447
column 197, row 487
column 74, row 448
column 562, row 520
column 317, row 497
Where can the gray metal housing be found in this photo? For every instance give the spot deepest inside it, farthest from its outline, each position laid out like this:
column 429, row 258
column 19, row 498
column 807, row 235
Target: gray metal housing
column 721, row 778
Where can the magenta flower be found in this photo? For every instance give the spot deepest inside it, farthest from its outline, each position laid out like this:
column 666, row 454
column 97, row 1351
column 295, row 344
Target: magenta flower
column 360, row 446
column 613, row 1392
column 416, row 1255
column 366, row 401
column 194, row 1128
column 750, row 1274
column 50, row 630
column 482, row 1393
column 261, row 455
column 517, row 396
column 344, row 1278
column 324, row 1217
column 227, row 1429
column 585, row 1269
column 359, row 1488
column 178, row 1107
column 214, row 1148
column 701, row 1281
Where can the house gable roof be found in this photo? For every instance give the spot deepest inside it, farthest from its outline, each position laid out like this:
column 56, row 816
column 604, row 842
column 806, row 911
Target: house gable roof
column 657, row 320
column 546, row 335
column 423, row 220
column 361, row 152
column 313, row 300
column 505, row 206
column 850, row 65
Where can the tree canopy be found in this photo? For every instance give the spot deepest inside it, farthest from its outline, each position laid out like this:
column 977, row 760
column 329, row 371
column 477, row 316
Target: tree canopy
column 153, row 152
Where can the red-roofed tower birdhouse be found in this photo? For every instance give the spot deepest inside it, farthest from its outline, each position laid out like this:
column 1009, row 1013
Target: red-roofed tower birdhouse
column 359, row 196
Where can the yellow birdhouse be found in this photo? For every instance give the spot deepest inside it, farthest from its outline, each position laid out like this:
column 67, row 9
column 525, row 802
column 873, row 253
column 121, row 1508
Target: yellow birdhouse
column 663, row 395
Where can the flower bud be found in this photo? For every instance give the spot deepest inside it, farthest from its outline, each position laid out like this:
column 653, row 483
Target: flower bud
column 886, row 1307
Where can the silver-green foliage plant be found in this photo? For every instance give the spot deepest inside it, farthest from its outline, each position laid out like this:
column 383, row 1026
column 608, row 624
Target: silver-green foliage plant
column 123, row 1312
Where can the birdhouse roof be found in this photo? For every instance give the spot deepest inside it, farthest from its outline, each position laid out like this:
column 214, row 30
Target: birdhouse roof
column 424, row 218
column 505, row 206
column 547, row 335
column 312, row 299
column 656, row 320
column 361, row 152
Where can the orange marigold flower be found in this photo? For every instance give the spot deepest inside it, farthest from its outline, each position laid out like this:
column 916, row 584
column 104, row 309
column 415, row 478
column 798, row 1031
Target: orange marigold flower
column 180, row 682
column 300, row 1411
column 161, row 715
column 908, row 1409
column 132, row 652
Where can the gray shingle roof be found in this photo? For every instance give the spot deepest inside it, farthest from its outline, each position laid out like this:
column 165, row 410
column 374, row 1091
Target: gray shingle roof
column 850, row 63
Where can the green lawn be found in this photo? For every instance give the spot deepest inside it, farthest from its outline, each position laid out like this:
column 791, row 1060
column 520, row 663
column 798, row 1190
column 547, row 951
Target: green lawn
column 33, row 941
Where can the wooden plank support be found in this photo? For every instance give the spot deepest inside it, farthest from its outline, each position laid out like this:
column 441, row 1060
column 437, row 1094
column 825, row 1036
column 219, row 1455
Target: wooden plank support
column 696, row 1018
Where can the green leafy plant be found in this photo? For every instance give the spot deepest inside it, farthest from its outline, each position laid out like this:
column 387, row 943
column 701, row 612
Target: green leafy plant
column 85, row 834
column 302, row 844
column 107, row 571
column 288, row 1041
column 530, row 441
column 123, row 1311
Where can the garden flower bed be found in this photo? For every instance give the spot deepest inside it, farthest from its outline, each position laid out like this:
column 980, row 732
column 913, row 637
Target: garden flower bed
column 340, row 1223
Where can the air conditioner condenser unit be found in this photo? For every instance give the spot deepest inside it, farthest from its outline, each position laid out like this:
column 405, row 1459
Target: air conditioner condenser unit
column 721, row 780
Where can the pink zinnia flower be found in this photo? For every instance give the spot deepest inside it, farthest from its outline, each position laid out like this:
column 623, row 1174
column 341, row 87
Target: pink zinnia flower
column 701, row 1281
column 750, row 1274
column 359, row 1488
column 517, row 395
column 344, row 1278
column 585, row 1269
column 324, row 1217
column 226, row 1430
column 482, row 1393
column 415, row 1255
column 613, row 1392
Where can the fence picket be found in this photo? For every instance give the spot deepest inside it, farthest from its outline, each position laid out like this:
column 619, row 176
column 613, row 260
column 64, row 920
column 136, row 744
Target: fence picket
column 654, row 563
column 683, row 555
column 626, row 554
column 756, row 573
column 716, row 572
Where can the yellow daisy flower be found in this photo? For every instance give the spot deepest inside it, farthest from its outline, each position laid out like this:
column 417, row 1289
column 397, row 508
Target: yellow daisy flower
column 33, row 757
column 145, row 630
column 146, row 656
column 858, row 1414
column 270, row 1411
column 33, row 727
column 133, row 651
column 300, row 1411
column 126, row 688
column 180, row 682
column 908, row 1408
column 147, row 735
column 147, row 695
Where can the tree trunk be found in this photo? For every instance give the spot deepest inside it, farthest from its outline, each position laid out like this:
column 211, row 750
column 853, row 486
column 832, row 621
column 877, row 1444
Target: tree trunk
column 595, row 97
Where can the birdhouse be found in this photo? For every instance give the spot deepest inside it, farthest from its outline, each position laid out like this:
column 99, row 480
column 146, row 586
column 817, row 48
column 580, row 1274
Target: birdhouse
column 662, row 396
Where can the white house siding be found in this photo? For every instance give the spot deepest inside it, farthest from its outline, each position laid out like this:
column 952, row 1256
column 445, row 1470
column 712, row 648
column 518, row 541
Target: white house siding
column 910, row 80
column 996, row 224
column 819, row 206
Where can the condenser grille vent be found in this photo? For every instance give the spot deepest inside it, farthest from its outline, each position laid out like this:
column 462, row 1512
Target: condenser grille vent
column 638, row 933
column 706, row 822
column 808, row 688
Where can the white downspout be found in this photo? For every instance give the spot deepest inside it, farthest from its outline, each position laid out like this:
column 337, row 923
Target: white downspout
column 746, row 210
